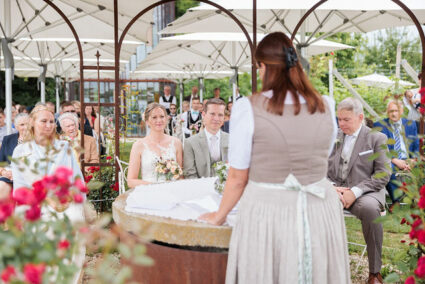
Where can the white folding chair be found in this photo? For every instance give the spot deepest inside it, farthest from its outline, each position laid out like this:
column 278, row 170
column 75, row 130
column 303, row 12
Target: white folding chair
column 122, row 175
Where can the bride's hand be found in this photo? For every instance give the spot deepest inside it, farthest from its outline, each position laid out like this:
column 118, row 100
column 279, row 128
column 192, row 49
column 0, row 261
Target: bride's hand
column 211, row 218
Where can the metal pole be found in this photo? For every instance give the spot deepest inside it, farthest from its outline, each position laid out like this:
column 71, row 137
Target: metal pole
column 57, row 93
column 43, row 92
column 397, row 67
column 331, row 79
column 235, row 84
column 254, row 46
column 117, row 47
column 8, row 70
column 181, row 96
column 201, row 88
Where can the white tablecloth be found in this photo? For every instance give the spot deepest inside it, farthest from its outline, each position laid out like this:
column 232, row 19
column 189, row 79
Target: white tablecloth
column 182, row 200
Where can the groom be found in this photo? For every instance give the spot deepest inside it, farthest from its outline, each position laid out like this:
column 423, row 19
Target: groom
column 209, row 145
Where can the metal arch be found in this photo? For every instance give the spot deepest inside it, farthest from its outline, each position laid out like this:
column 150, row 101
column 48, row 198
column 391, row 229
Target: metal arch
column 80, row 51
column 233, row 17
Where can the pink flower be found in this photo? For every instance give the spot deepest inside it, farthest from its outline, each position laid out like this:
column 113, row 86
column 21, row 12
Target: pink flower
column 422, row 190
column 78, row 198
column 63, row 174
column 33, row 214
column 81, row 185
column 420, row 270
column 64, row 244
column 34, row 273
column 40, row 191
column 6, row 210
column 87, row 179
column 421, row 236
column 410, row 280
column 25, row 196
column 8, row 273
column 403, row 221
column 115, row 187
column 108, row 158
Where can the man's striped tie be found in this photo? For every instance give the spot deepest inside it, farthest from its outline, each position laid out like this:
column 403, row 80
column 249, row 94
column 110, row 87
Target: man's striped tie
column 397, row 145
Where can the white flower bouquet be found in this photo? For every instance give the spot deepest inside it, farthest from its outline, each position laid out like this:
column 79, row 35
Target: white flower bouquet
column 169, row 170
column 221, row 169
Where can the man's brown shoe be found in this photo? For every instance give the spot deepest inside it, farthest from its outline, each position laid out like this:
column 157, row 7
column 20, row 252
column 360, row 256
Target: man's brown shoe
column 375, row 278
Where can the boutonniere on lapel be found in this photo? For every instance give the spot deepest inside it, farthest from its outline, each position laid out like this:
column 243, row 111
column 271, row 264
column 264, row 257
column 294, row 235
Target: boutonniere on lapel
column 337, row 143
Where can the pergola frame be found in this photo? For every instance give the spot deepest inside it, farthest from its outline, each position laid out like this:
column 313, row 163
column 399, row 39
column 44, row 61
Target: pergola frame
column 118, row 41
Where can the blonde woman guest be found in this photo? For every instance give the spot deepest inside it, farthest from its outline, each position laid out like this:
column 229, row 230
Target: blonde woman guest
column 69, row 125
column 44, row 154
column 146, row 151
column 290, row 225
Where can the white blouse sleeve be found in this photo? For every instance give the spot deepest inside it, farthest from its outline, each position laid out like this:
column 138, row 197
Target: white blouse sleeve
column 331, row 104
column 241, row 134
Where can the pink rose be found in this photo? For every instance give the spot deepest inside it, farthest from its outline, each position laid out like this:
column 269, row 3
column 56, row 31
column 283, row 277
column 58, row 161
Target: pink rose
column 24, row 196
column 34, row 273
column 8, row 273
column 410, row 280
column 6, row 210
column 33, row 214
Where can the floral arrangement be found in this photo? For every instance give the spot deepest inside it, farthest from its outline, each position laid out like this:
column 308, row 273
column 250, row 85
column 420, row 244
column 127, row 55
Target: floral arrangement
column 168, row 170
column 221, row 170
column 33, row 250
column 411, row 262
column 36, row 250
column 102, row 185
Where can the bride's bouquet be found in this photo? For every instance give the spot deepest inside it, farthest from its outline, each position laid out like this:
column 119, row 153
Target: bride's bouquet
column 169, row 170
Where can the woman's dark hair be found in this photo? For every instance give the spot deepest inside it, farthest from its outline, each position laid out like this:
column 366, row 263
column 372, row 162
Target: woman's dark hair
column 284, row 73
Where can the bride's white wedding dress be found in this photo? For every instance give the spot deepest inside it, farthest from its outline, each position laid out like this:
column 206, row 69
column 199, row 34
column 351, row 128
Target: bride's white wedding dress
column 150, row 158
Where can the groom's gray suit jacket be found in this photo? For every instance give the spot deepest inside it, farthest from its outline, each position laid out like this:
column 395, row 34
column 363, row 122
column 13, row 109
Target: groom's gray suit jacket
column 197, row 160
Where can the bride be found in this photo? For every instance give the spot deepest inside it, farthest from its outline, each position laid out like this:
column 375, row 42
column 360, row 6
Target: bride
column 147, row 151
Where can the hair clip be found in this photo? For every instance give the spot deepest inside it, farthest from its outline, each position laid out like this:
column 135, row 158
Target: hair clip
column 291, row 57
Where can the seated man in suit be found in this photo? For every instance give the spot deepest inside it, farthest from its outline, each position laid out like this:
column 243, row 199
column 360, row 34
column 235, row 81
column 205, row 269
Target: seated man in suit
column 359, row 168
column 192, row 119
column 208, row 146
column 406, row 142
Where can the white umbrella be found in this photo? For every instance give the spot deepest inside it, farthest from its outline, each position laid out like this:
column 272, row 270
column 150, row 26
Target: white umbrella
column 228, row 50
column 378, row 80
column 331, row 17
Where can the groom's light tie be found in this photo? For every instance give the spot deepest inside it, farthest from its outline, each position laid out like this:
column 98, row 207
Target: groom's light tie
column 215, row 150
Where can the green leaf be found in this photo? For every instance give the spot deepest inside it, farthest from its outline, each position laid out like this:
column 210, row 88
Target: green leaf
column 143, row 260
column 392, row 278
column 124, row 250
column 380, row 175
column 95, row 185
column 373, row 157
column 391, row 141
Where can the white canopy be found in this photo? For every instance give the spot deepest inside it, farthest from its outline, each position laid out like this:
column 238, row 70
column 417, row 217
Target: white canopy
column 331, row 17
column 378, row 80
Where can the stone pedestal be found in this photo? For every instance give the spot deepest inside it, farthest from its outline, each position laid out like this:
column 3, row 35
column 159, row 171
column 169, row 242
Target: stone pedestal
column 183, row 251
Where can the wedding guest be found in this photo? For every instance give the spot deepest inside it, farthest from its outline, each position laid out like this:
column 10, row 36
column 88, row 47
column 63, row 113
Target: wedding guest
column 3, row 126
column 290, row 226
column 405, row 135
column 167, row 98
column 192, row 120
column 6, row 151
column 69, row 125
column 226, row 124
column 41, row 154
column 229, row 107
column 67, row 106
column 186, row 106
column 22, row 109
column 172, row 119
column 412, row 102
column 178, row 131
column 51, row 106
column 193, row 94
column 198, row 160
column 355, row 175
column 146, row 151
column 216, row 93
column 99, row 127
column 90, row 115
